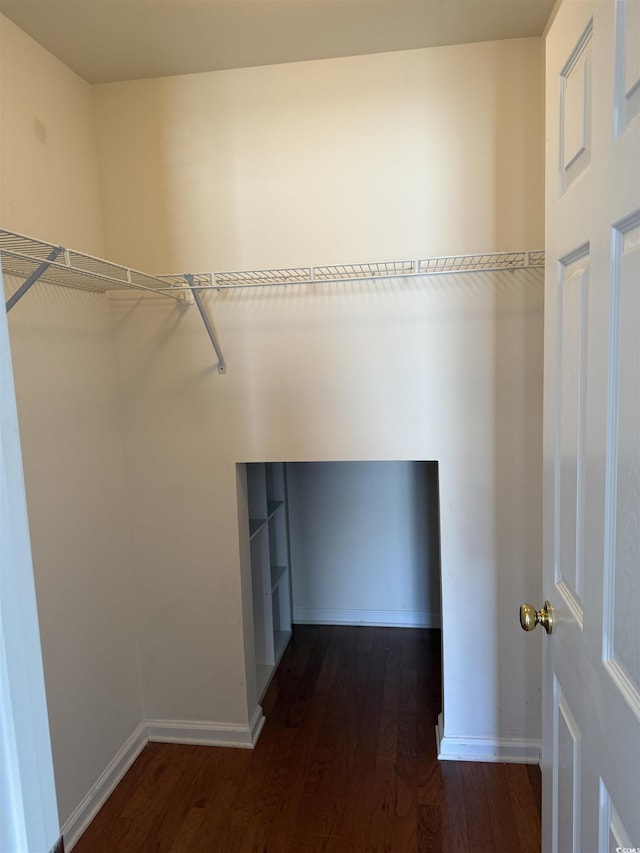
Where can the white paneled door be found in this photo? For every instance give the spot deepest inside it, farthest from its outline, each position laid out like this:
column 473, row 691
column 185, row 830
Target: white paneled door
column 591, row 689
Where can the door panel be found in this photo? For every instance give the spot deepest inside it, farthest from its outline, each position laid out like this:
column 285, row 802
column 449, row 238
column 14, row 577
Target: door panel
column 627, row 103
column 575, row 111
column 567, row 760
column 621, row 624
column 572, row 313
column 613, row 835
column 591, row 682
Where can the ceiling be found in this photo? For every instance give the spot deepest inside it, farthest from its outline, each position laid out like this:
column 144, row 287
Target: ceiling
column 109, row 40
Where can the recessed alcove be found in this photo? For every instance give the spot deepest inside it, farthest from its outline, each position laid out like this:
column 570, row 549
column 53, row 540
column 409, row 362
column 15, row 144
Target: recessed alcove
column 340, row 543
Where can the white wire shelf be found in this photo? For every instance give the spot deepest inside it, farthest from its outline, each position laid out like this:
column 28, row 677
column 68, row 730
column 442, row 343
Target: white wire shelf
column 36, row 260
column 23, row 256
column 490, row 262
column 476, row 263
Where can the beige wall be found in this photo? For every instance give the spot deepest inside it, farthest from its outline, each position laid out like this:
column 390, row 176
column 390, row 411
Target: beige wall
column 423, row 152
column 48, row 172
column 77, row 503
column 69, row 423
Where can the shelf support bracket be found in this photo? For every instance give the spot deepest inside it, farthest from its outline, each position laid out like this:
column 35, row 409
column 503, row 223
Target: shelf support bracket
column 35, row 275
column 222, row 367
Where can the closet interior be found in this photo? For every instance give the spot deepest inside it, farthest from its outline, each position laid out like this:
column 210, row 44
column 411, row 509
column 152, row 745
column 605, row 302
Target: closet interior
column 161, row 616
column 352, row 543
column 183, row 428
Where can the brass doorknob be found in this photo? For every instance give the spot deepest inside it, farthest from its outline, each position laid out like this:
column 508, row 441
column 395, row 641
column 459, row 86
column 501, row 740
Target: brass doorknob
column 530, row 617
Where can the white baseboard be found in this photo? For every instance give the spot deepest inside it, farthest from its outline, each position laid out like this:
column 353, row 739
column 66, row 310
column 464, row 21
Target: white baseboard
column 166, row 731
column 85, row 812
column 496, row 750
column 206, row 733
column 256, row 723
column 382, row 618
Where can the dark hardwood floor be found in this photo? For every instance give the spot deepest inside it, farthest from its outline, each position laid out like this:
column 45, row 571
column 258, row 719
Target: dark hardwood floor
column 346, row 762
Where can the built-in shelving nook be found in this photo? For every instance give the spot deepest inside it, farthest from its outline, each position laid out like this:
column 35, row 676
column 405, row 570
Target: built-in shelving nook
column 270, row 566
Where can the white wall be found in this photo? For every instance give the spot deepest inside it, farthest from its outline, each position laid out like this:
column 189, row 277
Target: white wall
column 447, row 369
column 69, row 425
column 365, row 543
column 395, row 155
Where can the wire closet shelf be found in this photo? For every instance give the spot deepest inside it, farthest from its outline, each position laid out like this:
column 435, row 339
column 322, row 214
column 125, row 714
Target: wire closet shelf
column 24, row 256
column 36, row 260
column 334, row 273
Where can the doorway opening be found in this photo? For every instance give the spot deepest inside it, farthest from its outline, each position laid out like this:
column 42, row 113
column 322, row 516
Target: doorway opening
column 340, row 543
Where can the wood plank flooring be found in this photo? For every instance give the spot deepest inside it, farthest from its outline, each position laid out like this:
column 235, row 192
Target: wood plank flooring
column 346, row 763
